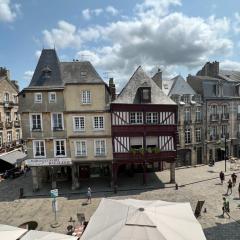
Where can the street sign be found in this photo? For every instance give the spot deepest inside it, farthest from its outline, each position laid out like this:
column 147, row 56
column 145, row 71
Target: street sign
column 54, row 193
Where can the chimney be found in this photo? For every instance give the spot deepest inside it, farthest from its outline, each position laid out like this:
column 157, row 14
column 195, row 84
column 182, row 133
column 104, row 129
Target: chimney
column 209, row 69
column 157, row 78
column 4, row 72
column 112, row 89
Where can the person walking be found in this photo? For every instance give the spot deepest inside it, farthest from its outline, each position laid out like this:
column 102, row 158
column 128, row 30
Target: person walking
column 239, row 190
column 225, row 208
column 229, row 186
column 234, row 179
column 222, row 176
column 89, row 195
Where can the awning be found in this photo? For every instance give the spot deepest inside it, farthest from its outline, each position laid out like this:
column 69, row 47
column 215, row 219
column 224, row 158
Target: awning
column 13, row 157
column 43, row 162
column 10, row 233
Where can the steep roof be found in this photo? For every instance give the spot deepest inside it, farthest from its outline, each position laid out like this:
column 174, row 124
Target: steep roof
column 180, row 86
column 79, row 72
column 140, row 79
column 10, row 83
column 47, row 72
column 230, row 75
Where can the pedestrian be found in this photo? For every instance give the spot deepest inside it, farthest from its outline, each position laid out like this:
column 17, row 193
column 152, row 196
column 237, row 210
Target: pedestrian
column 89, row 195
column 222, row 176
column 234, row 179
column 229, row 186
column 225, row 207
column 239, row 190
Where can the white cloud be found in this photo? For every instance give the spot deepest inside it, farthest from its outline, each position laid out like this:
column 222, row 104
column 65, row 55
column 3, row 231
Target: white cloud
column 112, row 10
column 230, row 65
column 37, row 54
column 236, row 24
column 63, row 36
column 28, row 75
column 97, row 11
column 8, row 11
column 86, row 14
column 154, row 36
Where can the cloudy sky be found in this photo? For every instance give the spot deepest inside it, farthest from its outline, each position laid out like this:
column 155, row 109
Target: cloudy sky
column 178, row 36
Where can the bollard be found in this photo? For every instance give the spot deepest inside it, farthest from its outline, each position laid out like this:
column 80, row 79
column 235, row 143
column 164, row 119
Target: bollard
column 176, row 186
column 21, row 193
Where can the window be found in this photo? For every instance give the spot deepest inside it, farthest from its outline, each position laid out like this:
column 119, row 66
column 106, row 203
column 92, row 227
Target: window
column 145, row 95
column 8, row 117
column 17, row 134
column 16, row 118
column 214, row 110
column 38, row 98
column 39, row 148
column 187, row 135
column 187, row 114
column 100, row 147
column 81, row 148
column 217, row 90
column 136, row 117
column 1, row 139
column 198, row 114
column 15, row 98
column 83, row 73
column 52, row 97
column 36, row 121
column 186, row 98
column 224, row 131
column 98, row 123
column 86, row 97
column 60, row 148
column 6, row 97
column 57, row 121
column 213, row 133
column 9, row 137
column 198, row 134
column 78, row 123
column 152, row 118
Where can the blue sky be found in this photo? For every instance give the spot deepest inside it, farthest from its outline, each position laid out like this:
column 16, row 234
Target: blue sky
column 178, row 36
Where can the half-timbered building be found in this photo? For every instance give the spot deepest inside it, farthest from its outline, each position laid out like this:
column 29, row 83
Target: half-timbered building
column 143, row 127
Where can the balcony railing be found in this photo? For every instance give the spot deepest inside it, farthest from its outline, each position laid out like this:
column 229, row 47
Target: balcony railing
column 7, row 105
column 57, row 128
column 225, row 116
column 8, row 124
column 214, row 117
column 198, row 120
column 36, row 129
column 17, row 123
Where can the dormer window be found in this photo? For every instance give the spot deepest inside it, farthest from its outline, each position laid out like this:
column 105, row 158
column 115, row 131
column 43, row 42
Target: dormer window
column 186, row 98
column 146, row 95
column 83, row 73
column 46, row 71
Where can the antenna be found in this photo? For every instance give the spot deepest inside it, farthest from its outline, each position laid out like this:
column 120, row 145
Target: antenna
column 107, row 74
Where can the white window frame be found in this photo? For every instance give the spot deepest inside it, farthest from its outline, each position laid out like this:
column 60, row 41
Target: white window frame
column 36, row 97
column 4, row 99
column 198, row 114
column 187, row 114
column 198, row 135
column 86, row 97
column 151, row 117
column 55, row 150
column 15, row 98
column 49, row 97
column 105, row 144
column 11, row 134
column 17, row 132
column 81, row 150
column 34, row 149
column 1, row 138
column 136, row 117
column 52, row 122
column 187, row 136
column 31, row 123
column 8, row 118
column 98, row 128
column 74, row 125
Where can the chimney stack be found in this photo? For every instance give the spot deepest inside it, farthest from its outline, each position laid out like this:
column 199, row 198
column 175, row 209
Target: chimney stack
column 157, row 78
column 112, row 89
column 4, row 72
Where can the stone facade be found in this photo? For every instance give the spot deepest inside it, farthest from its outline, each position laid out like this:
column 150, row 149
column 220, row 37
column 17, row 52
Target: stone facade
column 10, row 127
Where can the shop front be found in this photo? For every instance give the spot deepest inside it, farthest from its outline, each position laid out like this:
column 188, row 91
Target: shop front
column 50, row 170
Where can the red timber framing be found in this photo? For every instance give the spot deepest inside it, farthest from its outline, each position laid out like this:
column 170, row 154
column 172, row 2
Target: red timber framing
column 160, row 132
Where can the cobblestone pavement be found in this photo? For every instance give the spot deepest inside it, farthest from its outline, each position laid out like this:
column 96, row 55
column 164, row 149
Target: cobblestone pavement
column 196, row 183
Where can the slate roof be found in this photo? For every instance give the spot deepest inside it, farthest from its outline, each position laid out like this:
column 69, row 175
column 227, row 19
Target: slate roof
column 180, row 87
column 230, row 75
column 79, row 72
column 47, row 72
column 140, row 79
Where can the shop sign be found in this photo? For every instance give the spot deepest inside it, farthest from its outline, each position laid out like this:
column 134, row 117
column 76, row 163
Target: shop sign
column 48, row 162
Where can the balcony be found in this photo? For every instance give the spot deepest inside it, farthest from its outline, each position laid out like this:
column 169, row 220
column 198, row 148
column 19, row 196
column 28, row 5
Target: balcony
column 55, row 129
column 225, row 116
column 8, row 125
column 198, row 120
column 36, row 129
column 7, row 105
column 214, row 117
column 17, row 124
column 1, row 125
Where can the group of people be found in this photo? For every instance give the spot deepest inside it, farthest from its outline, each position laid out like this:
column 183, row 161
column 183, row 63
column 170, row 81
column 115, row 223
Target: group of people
column 230, row 184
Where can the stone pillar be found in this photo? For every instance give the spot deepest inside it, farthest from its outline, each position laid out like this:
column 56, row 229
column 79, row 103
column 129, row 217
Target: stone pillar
column 75, row 182
column 172, row 172
column 35, row 178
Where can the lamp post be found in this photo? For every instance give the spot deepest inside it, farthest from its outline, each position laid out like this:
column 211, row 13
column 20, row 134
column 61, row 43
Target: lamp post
column 225, row 154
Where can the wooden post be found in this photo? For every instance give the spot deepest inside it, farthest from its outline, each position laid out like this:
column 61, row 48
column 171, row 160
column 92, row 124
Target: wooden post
column 172, row 172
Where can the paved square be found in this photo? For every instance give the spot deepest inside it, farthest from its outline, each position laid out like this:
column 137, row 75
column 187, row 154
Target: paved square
column 196, row 183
